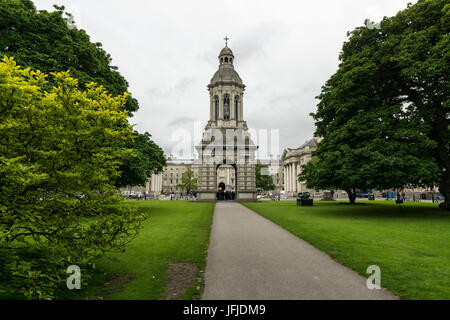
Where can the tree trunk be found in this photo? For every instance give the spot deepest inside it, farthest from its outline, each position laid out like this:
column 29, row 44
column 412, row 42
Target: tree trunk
column 444, row 189
column 442, row 158
column 351, row 195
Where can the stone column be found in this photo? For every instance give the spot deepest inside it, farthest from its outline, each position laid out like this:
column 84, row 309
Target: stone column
column 241, row 108
column 294, row 188
column 284, row 177
column 289, row 177
column 294, row 176
column 232, row 115
column 220, row 107
column 212, row 111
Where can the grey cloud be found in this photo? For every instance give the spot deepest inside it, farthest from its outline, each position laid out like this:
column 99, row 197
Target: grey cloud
column 181, row 121
column 168, row 53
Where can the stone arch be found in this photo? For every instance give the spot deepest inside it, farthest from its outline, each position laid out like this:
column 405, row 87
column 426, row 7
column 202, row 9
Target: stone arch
column 224, row 191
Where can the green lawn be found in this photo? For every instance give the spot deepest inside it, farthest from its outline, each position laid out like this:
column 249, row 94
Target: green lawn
column 410, row 243
column 176, row 232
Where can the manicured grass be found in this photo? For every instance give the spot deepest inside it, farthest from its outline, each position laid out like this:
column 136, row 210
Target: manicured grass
column 176, row 231
column 410, row 243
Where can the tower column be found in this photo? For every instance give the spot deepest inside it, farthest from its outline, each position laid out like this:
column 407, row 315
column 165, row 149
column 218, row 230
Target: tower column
column 233, row 103
column 221, row 107
column 211, row 107
column 241, row 107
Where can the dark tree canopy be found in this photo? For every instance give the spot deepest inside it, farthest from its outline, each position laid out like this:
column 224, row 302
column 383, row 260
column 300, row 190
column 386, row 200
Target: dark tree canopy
column 147, row 158
column 47, row 41
column 384, row 115
column 263, row 181
column 50, row 42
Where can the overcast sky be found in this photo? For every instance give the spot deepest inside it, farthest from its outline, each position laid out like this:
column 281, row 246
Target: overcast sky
column 167, row 50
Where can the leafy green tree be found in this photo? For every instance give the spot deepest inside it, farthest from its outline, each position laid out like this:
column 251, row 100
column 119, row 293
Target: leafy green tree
column 60, row 151
column 263, row 181
column 383, row 115
column 49, row 42
column 188, row 181
column 147, row 158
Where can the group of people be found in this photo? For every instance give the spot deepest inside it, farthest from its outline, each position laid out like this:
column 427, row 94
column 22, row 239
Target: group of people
column 182, row 196
column 226, row 195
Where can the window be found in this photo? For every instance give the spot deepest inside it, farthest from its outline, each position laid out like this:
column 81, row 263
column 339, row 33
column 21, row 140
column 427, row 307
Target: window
column 226, row 108
column 216, row 107
column 221, row 60
column 226, row 59
column 236, row 108
column 231, row 60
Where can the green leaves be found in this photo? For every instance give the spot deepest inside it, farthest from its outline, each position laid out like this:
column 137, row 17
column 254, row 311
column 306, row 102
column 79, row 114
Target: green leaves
column 44, row 41
column 60, row 150
column 383, row 115
column 188, row 181
column 263, row 181
column 144, row 159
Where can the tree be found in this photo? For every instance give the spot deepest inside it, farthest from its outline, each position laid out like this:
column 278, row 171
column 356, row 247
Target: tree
column 263, row 181
column 188, row 181
column 59, row 156
column 50, row 42
column 147, row 158
column 383, row 115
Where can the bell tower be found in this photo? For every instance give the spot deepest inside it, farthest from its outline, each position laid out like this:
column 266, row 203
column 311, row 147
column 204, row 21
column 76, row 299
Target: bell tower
column 226, row 142
column 226, row 93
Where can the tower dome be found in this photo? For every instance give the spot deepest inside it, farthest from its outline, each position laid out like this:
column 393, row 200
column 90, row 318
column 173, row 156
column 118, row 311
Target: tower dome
column 226, row 52
column 226, row 73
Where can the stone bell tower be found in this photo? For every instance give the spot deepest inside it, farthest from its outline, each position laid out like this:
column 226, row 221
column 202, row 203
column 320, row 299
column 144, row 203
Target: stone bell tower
column 226, row 140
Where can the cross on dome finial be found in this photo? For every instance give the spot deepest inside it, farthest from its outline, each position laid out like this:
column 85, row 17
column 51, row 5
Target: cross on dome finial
column 226, row 41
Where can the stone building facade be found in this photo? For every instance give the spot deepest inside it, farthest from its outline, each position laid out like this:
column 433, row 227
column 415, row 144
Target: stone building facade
column 292, row 160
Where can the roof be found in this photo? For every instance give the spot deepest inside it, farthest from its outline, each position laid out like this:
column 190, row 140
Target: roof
column 226, row 51
column 226, row 75
column 289, row 152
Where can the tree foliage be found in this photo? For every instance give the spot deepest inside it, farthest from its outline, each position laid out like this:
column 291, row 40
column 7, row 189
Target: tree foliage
column 188, row 181
column 384, row 115
column 50, row 42
column 147, row 158
column 60, row 151
column 263, row 181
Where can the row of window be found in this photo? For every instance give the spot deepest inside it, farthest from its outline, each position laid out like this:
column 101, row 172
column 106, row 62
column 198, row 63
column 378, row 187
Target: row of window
column 226, row 107
column 226, row 60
